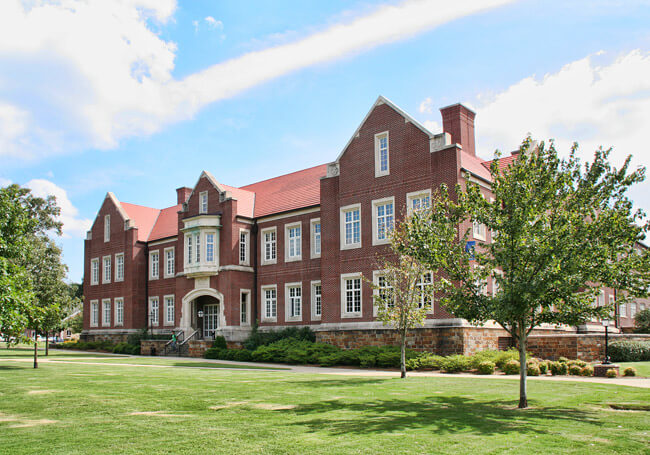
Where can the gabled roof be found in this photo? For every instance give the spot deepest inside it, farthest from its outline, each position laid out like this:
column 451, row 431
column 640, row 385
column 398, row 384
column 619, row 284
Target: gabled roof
column 475, row 165
column 504, row 162
column 287, row 192
column 245, row 200
column 166, row 224
column 144, row 218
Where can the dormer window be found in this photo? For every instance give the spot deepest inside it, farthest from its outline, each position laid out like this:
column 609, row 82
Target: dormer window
column 201, row 239
column 382, row 162
column 203, row 202
column 107, row 228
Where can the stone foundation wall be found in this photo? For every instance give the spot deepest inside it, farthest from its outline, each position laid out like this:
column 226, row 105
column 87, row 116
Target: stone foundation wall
column 198, row 347
column 113, row 337
column 587, row 347
column 146, row 345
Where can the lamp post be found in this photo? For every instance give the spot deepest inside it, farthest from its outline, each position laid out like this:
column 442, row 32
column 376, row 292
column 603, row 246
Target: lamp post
column 606, row 324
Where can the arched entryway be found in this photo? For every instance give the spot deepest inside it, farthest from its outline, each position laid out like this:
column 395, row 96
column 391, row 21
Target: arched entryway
column 202, row 311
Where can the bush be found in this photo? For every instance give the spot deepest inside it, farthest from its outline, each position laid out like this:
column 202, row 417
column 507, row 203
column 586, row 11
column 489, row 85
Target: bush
column 629, row 351
column 430, row 361
column 486, row 367
column 642, row 321
column 219, row 342
column 511, row 367
column 563, row 360
column 574, row 370
column 543, row 367
column 215, row 353
column 629, row 371
column 126, row 348
column 455, row 364
column 611, row 373
column 587, row 371
column 533, row 369
column 257, row 339
column 503, row 357
column 558, row 368
column 580, row 363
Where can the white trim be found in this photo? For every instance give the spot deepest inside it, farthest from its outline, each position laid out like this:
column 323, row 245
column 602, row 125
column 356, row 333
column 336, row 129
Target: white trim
column 291, row 214
column 378, row 171
column 117, row 322
column 166, row 274
column 151, row 255
column 160, row 242
column 375, row 204
column 119, row 208
column 312, row 236
column 263, row 290
column 155, row 323
column 416, row 195
column 247, row 247
column 287, row 301
column 265, row 261
column 244, row 220
column 93, row 281
column 344, row 278
column 203, row 194
column 166, row 322
column 201, row 290
column 247, row 293
column 235, row 268
column 342, row 212
column 106, row 303
column 118, row 278
column 107, row 228
column 476, row 227
column 375, row 280
column 312, row 298
column 287, row 228
column 94, row 303
column 110, row 264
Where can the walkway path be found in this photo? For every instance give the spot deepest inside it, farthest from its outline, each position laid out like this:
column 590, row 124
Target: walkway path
column 630, row 382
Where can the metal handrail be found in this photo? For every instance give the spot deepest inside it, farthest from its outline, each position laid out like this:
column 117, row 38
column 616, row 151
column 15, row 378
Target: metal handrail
column 179, row 335
column 184, row 346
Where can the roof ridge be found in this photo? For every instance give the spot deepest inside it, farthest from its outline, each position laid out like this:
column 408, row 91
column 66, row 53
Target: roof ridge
column 153, row 225
column 278, row 176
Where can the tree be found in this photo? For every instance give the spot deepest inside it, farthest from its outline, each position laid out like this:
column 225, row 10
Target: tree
column 642, row 321
column 402, row 293
column 560, row 232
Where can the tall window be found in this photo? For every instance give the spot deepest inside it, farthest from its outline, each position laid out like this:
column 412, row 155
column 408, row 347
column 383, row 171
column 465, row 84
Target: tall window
column 203, row 202
column 381, row 154
column 243, row 247
column 632, row 309
column 478, row 230
column 417, row 201
column 424, row 283
column 315, row 238
column 622, row 310
column 107, row 270
column 316, row 295
column 94, row 313
column 197, row 244
column 169, row 262
column 119, row 311
column 209, row 248
column 244, row 304
column 107, row 228
column 94, row 271
column 270, row 302
column 294, row 301
column 385, row 291
column 352, row 295
column 154, row 265
column 119, row 267
column 153, row 311
column 351, row 226
column 293, row 240
column 270, row 245
column 169, row 310
column 190, row 256
column 383, row 219
column 106, row 310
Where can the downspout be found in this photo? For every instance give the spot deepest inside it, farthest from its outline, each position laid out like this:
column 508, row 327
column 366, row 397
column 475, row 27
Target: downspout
column 254, row 231
column 146, row 290
column 617, row 315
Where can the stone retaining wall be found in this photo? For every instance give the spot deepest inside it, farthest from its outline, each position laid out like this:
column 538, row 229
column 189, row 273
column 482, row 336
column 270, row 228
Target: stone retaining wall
column 158, row 345
column 583, row 346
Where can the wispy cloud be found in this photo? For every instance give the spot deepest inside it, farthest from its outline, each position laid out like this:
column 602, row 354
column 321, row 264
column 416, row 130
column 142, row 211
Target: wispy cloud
column 114, row 73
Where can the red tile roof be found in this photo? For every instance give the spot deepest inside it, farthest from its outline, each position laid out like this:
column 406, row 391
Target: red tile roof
column 245, row 200
column 504, row 162
column 166, row 224
column 287, row 192
column 144, row 218
column 475, row 165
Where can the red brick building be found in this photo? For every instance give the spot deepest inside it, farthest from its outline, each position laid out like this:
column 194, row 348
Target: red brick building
column 292, row 250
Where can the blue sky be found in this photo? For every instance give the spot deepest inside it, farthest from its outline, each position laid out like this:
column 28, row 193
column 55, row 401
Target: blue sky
column 139, row 96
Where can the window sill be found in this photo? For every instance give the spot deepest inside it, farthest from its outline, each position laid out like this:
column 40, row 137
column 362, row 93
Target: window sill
column 350, row 315
column 351, row 246
column 377, row 242
column 274, row 262
column 269, row 319
column 294, row 319
column 293, row 259
column 316, row 318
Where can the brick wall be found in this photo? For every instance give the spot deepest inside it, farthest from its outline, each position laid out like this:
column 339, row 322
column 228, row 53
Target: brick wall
column 587, row 347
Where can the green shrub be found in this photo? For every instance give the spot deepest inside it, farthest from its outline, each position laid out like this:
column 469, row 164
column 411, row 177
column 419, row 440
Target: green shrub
column 257, row 338
column 574, row 370
column 533, row 369
column 587, row 371
column 413, row 364
column 642, row 321
column 543, row 367
column 215, row 353
column 219, row 342
column 611, row 373
column 559, row 368
column 486, row 367
column 455, row 364
column 511, row 367
column 430, row 361
column 367, row 360
column 563, row 360
column 503, row 357
column 629, row 371
column 629, row 351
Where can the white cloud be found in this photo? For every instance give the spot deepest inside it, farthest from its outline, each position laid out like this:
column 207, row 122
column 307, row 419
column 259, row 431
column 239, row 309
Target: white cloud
column 426, row 106
column 212, row 22
column 432, row 126
column 99, row 73
column 606, row 104
column 5, row 182
column 73, row 225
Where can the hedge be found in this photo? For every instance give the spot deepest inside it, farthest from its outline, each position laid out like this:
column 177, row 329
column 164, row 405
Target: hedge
column 629, row 351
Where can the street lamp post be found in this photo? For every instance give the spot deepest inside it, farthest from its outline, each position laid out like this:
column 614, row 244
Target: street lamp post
column 606, row 324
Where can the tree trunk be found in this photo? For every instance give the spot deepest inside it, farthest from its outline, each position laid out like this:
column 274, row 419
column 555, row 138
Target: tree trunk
column 35, row 350
column 47, row 348
column 523, row 369
column 403, row 355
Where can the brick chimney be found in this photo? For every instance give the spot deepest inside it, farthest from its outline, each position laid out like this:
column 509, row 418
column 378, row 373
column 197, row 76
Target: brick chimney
column 182, row 194
column 458, row 121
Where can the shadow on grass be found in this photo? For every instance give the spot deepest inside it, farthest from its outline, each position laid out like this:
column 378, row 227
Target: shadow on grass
column 348, row 381
column 12, row 367
column 439, row 414
column 222, row 366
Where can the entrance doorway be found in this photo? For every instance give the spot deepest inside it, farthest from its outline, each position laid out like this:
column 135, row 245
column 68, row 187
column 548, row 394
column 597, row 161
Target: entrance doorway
column 205, row 317
column 210, row 320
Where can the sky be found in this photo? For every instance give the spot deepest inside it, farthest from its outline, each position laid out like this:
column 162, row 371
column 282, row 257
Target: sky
column 138, row 97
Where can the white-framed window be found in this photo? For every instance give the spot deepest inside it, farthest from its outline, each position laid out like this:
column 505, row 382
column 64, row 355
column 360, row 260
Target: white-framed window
column 293, row 301
column 495, row 283
column 244, row 236
column 244, row 306
column 382, row 288
column 600, row 299
column 293, row 242
column 170, row 258
column 154, row 304
column 209, row 247
column 197, row 247
column 189, row 248
column 106, row 312
column 107, row 228
column 383, row 220
column 270, row 301
column 94, row 313
column 351, row 295
column 350, row 226
column 203, row 202
column 119, row 267
column 478, row 231
column 316, row 300
column 418, row 200
column 94, row 271
column 426, row 299
column 622, row 310
column 481, row 284
column 632, row 309
column 269, row 246
column 315, row 237
column 106, row 278
column 382, row 159
column 169, row 310
column 154, row 265
column 119, row 311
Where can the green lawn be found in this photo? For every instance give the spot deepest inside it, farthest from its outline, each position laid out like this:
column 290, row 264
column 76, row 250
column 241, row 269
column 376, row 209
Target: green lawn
column 65, row 408
column 642, row 368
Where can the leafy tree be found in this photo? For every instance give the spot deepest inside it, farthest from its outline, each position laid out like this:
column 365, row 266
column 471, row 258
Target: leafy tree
column 642, row 321
column 560, row 232
column 404, row 290
column 75, row 323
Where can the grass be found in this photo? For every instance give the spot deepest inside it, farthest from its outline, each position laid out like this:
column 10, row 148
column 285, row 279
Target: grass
column 642, row 368
column 66, row 408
